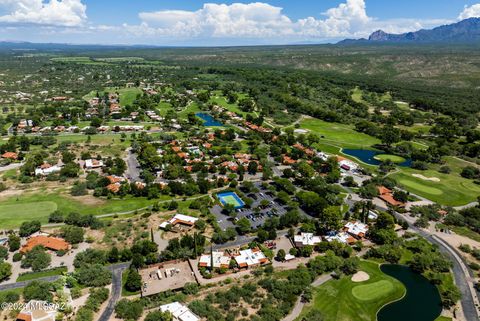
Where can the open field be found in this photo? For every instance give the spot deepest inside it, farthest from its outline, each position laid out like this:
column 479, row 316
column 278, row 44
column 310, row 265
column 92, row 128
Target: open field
column 346, row 300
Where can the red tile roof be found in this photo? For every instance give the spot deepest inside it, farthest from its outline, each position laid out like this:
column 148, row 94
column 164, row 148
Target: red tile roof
column 51, row 243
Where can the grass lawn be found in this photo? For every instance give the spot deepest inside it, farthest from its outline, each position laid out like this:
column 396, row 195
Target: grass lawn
column 442, row 318
column 15, row 213
column 451, row 190
column 42, row 274
column 38, row 205
column 127, row 95
column 346, row 300
column 340, row 135
column 393, row 158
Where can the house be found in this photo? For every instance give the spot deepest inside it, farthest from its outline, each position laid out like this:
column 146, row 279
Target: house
column 37, row 311
column 287, row 160
column 341, row 237
column 179, row 312
column 305, row 239
column 220, row 260
column 386, row 195
column 48, row 242
column 47, row 169
column 10, row 155
column 356, row 229
column 180, row 219
column 93, row 163
column 250, row 258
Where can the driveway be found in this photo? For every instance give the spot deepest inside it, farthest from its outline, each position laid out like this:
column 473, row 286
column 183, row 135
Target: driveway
column 133, row 166
column 117, row 271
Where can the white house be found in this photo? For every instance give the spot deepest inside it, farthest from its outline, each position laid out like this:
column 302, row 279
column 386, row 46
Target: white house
column 305, row 239
column 180, row 219
column 250, row 258
column 47, row 169
column 93, row 163
column 37, row 311
column 356, row 229
column 179, row 312
column 220, row 260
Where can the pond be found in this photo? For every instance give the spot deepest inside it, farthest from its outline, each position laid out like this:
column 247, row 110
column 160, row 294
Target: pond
column 422, row 301
column 368, row 156
column 208, row 119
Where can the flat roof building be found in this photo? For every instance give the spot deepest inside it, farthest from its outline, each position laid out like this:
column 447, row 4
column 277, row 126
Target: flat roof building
column 305, row 239
column 179, row 312
column 220, row 260
column 250, row 258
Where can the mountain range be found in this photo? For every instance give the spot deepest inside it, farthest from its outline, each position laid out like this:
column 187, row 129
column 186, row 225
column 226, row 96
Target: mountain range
column 465, row 31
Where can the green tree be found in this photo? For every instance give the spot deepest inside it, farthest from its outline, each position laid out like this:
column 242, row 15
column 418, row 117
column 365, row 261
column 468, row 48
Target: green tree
column 5, row 270
column 134, row 281
column 37, row 259
column 129, row 310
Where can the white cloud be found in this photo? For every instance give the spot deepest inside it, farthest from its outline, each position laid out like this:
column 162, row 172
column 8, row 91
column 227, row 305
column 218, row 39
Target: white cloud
column 65, row 13
column 266, row 22
column 470, row 12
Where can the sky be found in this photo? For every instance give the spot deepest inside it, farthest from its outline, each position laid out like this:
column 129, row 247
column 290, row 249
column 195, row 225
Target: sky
column 217, row 23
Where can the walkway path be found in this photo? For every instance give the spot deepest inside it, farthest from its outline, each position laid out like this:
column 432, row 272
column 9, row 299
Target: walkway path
column 298, row 307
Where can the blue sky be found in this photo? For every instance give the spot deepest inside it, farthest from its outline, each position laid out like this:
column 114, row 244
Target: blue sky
column 190, row 22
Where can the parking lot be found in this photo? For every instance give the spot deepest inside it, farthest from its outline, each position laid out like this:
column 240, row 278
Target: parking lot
column 256, row 218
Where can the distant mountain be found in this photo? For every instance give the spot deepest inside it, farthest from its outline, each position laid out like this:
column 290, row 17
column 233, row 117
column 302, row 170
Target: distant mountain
column 466, row 31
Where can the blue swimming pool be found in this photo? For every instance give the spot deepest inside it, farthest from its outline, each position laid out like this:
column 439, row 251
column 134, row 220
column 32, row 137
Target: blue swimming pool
column 231, row 198
column 208, row 120
column 368, row 156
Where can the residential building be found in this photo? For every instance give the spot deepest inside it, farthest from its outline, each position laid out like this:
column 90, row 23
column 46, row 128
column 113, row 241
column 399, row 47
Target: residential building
column 37, row 311
column 220, row 260
column 179, row 312
column 356, row 229
column 305, row 239
column 93, row 163
column 180, row 219
column 48, row 242
column 250, row 258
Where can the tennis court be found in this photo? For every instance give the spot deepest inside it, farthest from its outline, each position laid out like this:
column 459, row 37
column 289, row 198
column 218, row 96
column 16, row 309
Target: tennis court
column 231, row 198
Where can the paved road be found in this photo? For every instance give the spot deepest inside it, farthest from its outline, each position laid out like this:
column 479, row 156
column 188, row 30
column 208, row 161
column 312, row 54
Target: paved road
column 133, row 166
column 117, row 271
column 22, row 284
column 11, row 166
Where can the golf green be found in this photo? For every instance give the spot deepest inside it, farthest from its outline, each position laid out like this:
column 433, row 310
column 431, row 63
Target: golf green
column 394, row 158
column 373, row 291
column 421, row 187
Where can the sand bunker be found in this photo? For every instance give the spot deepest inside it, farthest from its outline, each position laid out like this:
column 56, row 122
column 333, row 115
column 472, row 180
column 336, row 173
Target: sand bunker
column 432, row 179
column 360, row 276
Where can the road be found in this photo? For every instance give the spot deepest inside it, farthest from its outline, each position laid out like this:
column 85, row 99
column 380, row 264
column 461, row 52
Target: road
column 117, row 271
column 22, row 284
column 11, row 166
column 133, row 166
